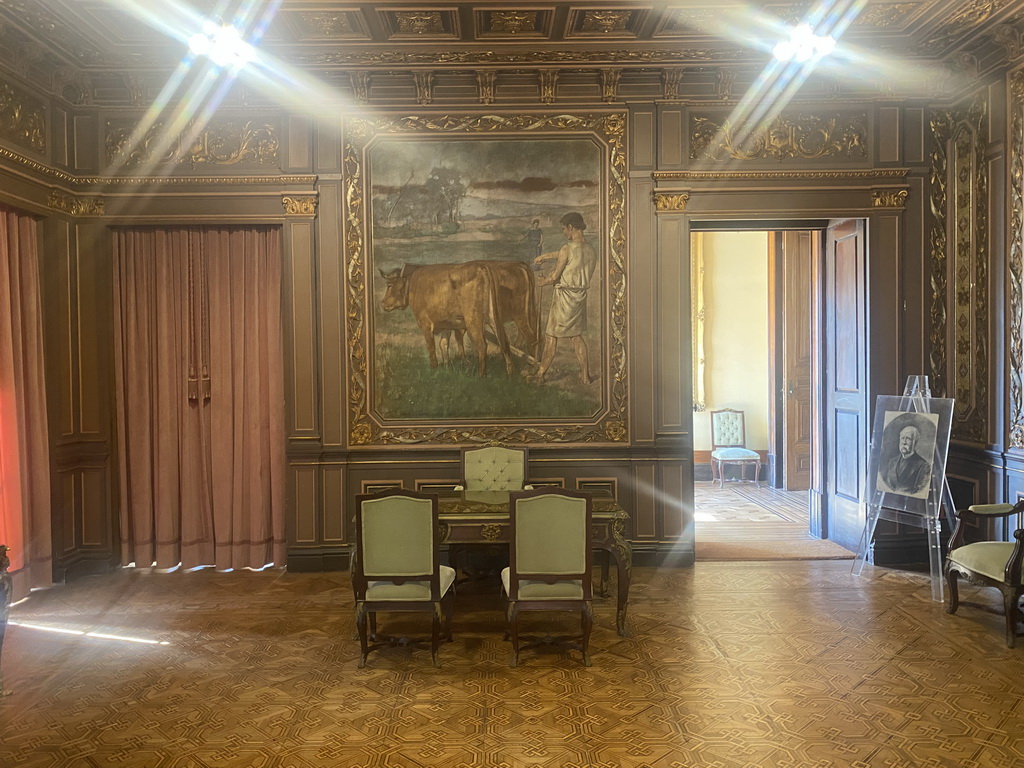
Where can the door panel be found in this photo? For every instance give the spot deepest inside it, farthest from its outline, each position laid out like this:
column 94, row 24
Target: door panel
column 845, row 399
column 798, row 253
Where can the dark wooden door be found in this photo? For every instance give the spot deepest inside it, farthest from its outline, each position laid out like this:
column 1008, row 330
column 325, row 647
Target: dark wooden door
column 845, row 408
column 799, row 250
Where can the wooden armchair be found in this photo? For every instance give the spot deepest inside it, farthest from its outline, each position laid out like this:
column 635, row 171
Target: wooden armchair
column 994, row 563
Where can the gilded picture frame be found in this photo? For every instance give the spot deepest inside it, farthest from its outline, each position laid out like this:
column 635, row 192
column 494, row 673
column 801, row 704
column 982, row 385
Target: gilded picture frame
column 425, row 228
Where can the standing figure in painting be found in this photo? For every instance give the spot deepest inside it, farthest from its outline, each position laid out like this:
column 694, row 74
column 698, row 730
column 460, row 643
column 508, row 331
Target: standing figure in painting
column 907, row 472
column 534, row 239
column 567, row 317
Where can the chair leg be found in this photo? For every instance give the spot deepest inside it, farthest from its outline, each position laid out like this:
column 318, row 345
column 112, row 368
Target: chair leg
column 513, row 631
column 1010, row 598
column 435, row 632
column 757, row 474
column 364, row 648
column 588, row 624
column 446, row 603
column 954, row 592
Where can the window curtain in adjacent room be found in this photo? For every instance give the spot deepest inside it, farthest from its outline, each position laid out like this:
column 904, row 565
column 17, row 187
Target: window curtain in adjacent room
column 24, row 447
column 200, row 396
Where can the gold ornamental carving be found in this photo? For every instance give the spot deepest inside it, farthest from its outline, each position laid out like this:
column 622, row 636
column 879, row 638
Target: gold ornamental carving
column 424, row 86
column 605, row 22
column 889, row 198
column 674, row 202
column 419, row 22
column 360, row 80
column 365, row 429
column 220, row 143
column 486, row 80
column 22, row 118
column 794, row 175
column 1015, row 279
column 75, row 206
column 958, row 349
column 672, row 79
column 617, row 57
column 548, row 81
column 330, row 24
column 513, row 22
column 805, row 137
column 885, row 14
column 300, row 206
column 490, row 531
column 610, row 84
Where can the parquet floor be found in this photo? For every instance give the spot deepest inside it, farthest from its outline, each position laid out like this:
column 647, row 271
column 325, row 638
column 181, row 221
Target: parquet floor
column 754, row 665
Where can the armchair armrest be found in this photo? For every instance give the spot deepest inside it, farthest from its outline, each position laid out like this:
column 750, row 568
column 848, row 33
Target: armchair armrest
column 978, row 512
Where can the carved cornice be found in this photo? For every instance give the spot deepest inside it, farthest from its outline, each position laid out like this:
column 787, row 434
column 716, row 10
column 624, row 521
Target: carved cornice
column 959, row 270
column 666, row 201
column 300, row 206
column 803, row 137
column 623, row 56
column 889, row 198
column 75, row 206
column 885, row 173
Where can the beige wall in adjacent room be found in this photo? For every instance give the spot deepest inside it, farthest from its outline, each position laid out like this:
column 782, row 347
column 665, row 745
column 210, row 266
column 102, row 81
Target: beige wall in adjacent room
column 735, row 333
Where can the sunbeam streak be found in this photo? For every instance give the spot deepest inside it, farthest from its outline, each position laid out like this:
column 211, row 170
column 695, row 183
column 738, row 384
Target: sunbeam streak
column 82, row 633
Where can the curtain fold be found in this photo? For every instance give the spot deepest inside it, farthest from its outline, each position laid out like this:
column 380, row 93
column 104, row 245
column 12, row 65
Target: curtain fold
column 24, row 447
column 200, row 407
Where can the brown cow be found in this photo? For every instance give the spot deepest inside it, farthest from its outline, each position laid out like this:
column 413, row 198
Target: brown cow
column 449, row 297
column 517, row 301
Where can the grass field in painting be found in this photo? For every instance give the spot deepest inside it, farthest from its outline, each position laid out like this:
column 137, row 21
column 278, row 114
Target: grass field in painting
column 405, row 387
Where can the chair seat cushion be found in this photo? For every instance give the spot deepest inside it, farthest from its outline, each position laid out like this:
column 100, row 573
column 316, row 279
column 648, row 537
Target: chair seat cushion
column 570, row 589
column 410, row 590
column 990, row 509
column 734, row 454
column 987, row 558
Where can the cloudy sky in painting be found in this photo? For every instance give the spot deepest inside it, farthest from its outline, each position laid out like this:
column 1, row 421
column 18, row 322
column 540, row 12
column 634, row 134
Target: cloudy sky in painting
column 501, row 176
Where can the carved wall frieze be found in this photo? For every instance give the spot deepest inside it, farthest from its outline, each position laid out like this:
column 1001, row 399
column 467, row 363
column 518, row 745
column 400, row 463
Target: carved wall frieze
column 968, row 17
column 364, row 428
column 75, row 206
column 22, row 118
column 512, row 57
column 300, row 206
column 1015, row 267
column 221, row 143
column 881, row 173
column 670, row 201
column 959, row 279
column 805, row 137
column 889, row 198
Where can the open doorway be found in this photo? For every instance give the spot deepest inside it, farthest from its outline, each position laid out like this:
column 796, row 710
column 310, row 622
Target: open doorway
column 756, row 326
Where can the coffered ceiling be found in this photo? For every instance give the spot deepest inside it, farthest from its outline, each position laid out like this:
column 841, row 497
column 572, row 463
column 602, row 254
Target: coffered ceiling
column 89, row 40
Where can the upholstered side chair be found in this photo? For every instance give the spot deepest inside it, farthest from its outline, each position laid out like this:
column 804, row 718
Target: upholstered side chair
column 729, row 446
column 550, row 563
column 397, row 565
column 493, row 468
column 993, row 563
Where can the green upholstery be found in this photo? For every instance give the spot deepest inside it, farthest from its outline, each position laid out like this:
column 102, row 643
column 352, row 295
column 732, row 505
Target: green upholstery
column 727, row 427
column 396, row 535
column 551, row 535
column 494, row 468
column 735, row 453
column 410, row 590
column 985, row 557
column 990, row 509
column 539, row 590
column 728, row 446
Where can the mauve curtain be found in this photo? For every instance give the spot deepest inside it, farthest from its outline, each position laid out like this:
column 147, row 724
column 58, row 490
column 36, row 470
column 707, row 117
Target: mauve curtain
column 200, row 404
column 24, row 447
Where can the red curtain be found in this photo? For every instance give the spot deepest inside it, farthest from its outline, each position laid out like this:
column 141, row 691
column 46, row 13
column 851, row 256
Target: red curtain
column 24, row 447
column 200, row 396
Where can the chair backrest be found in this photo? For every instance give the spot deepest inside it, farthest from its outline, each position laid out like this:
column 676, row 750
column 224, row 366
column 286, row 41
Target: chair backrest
column 397, row 539
column 550, row 536
column 494, row 468
column 727, row 428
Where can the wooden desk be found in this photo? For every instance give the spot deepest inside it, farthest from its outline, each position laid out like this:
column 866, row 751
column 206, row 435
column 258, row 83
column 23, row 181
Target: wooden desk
column 481, row 517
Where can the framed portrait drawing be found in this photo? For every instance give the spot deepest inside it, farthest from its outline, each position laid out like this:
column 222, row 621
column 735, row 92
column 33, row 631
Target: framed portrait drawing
column 909, row 444
column 485, row 279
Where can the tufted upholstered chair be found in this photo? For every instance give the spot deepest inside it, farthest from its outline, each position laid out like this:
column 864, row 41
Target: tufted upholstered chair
column 397, row 564
column 729, row 446
column 550, row 562
column 493, row 468
column 993, row 563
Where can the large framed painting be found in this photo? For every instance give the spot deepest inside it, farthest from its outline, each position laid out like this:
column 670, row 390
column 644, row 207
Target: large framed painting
column 486, row 279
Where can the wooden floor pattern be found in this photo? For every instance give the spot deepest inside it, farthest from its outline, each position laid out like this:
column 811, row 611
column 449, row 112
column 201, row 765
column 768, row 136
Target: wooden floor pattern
column 753, row 665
